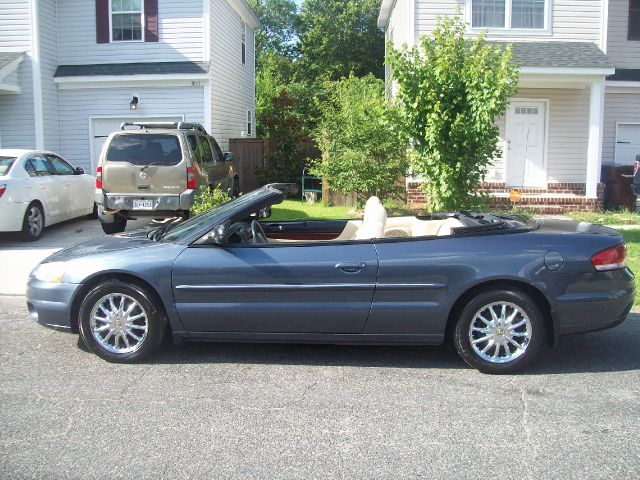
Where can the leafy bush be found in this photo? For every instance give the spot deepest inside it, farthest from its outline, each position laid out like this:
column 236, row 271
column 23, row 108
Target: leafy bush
column 207, row 198
column 451, row 90
column 361, row 150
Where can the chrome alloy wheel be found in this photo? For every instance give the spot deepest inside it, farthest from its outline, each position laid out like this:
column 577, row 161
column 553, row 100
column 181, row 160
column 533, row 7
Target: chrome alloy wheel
column 500, row 332
column 34, row 221
column 119, row 323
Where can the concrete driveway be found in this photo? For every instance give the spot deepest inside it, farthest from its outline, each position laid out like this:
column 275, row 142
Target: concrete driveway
column 20, row 257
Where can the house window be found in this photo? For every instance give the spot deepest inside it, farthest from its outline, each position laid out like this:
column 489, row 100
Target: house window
column 126, row 20
column 244, row 43
column 249, row 123
column 509, row 14
column 634, row 20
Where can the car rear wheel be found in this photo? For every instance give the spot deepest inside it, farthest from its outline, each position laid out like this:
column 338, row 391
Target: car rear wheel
column 33, row 222
column 119, row 224
column 119, row 322
column 500, row 331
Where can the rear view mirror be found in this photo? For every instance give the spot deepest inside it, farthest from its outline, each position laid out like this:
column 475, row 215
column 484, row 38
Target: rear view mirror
column 228, row 157
column 79, row 171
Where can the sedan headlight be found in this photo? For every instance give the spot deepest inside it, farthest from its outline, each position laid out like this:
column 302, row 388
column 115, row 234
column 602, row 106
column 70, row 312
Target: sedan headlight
column 49, row 272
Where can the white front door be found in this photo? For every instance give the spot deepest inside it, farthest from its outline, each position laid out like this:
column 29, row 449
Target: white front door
column 627, row 143
column 525, row 156
column 102, row 127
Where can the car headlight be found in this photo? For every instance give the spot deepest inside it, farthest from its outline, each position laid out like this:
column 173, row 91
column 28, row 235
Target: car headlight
column 49, row 272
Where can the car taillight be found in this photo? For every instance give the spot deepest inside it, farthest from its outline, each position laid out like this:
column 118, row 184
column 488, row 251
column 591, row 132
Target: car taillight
column 636, row 167
column 613, row 258
column 191, row 178
column 2, row 189
column 99, row 177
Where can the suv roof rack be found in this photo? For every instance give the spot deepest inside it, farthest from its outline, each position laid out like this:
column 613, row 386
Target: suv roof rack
column 176, row 125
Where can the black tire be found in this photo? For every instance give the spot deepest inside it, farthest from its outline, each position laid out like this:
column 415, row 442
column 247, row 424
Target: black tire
column 143, row 302
column 93, row 215
column 33, row 222
column 118, row 226
column 235, row 189
column 517, row 358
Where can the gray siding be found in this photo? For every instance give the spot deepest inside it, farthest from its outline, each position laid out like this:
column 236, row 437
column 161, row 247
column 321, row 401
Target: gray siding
column 577, row 20
column 181, row 35
column 618, row 108
column 232, row 83
column 17, row 128
column 568, row 138
column 77, row 106
column 400, row 30
column 47, row 17
column 623, row 53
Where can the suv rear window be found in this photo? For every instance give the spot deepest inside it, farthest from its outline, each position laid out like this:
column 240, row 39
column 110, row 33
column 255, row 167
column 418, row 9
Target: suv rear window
column 145, row 149
column 5, row 164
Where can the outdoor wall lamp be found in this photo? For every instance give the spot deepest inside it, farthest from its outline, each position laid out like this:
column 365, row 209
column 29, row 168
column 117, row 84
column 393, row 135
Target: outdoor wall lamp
column 133, row 105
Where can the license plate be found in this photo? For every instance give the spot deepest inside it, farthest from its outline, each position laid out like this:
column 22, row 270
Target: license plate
column 143, row 204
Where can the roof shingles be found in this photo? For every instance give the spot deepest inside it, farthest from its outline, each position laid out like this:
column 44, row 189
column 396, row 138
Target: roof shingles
column 110, row 69
column 558, row 54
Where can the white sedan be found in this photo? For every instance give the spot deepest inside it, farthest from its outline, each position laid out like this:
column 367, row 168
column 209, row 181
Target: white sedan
column 38, row 189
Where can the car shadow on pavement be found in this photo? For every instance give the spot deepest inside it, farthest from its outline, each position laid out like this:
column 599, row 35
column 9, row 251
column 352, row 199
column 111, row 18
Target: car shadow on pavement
column 614, row 350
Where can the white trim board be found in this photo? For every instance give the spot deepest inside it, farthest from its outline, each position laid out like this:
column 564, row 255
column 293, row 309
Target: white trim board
column 125, row 81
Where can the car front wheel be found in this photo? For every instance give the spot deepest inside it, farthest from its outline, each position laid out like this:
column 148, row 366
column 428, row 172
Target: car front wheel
column 119, row 323
column 500, row 331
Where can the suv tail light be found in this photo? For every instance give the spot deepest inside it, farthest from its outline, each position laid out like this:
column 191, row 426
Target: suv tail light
column 636, row 166
column 614, row 258
column 191, row 178
column 99, row 177
column 3, row 187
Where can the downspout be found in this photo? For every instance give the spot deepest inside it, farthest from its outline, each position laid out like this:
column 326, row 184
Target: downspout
column 38, row 115
column 604, row 30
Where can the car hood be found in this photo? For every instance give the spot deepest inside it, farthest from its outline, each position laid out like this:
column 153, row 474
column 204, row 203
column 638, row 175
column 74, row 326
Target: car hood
column 111, row 243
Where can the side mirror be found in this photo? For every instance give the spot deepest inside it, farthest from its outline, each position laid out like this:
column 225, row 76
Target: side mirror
column 79, row 171
column 264, row 213
column 228, row 157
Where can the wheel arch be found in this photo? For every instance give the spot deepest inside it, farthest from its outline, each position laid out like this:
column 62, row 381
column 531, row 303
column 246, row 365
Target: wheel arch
column 537, row 295
column 126, row 277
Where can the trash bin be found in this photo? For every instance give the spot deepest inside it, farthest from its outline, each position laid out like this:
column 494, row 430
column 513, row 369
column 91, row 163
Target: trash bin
column 618, row 182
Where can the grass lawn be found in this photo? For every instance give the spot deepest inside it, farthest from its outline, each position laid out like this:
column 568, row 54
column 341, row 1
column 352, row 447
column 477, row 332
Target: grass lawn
column 622, row 217
column 632, row 237
column 298, row 210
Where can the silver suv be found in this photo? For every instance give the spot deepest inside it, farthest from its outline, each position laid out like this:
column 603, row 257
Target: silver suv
column 155, row 169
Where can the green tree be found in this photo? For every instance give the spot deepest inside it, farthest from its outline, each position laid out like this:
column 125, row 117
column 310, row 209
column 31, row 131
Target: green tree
column 361, row 151
column 339, row 37
column 278, row 31
column 451, row 90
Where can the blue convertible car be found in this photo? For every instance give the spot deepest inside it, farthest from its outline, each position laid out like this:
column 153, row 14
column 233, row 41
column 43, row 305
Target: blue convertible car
column 499, row 287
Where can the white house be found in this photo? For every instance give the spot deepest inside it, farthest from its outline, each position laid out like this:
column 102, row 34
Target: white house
column 578, row 105
column 72, row 70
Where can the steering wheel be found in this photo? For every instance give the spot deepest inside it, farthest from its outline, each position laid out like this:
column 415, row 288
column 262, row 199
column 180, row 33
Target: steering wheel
column 258, row 233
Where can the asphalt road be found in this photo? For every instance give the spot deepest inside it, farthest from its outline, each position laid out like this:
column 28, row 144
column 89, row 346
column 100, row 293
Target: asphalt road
column 295, row 411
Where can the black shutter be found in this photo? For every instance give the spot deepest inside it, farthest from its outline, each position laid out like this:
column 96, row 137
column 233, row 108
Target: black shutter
column 150, row 20
column 102, row 21
column 634, row 20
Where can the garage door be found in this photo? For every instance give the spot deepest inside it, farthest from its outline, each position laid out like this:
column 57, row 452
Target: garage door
column 102, row 127
column 627, row 143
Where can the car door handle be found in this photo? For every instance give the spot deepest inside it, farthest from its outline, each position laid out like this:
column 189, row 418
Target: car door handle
column 351, row 267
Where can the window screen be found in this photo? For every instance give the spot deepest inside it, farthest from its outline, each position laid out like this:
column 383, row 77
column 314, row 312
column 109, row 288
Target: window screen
column 527, row 14
column 126, row 20
column 488, row 13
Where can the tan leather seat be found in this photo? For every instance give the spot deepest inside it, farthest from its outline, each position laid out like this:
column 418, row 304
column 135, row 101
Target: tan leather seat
column 374, row 220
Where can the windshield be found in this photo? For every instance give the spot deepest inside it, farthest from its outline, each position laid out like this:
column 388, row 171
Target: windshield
column 186, row 228
column 144, row 149
column 5, row 164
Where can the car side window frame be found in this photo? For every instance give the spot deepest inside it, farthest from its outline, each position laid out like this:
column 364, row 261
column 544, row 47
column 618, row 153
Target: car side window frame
column 47, row 164
column 30, row 168
column 195, row 149
column 53, row 158
column 218, row 157
column 207, row 156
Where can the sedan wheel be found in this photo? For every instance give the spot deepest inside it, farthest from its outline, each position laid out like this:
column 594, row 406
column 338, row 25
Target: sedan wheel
column 500, row 331
column 119, row 322
column 33, row 223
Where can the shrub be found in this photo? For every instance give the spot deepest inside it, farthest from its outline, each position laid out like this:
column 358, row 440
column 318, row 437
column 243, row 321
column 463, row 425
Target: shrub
column 362, row 152
column 207, row 198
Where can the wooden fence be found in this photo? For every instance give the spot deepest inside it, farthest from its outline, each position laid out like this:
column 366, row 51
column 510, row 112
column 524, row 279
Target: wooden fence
column 252, row 154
